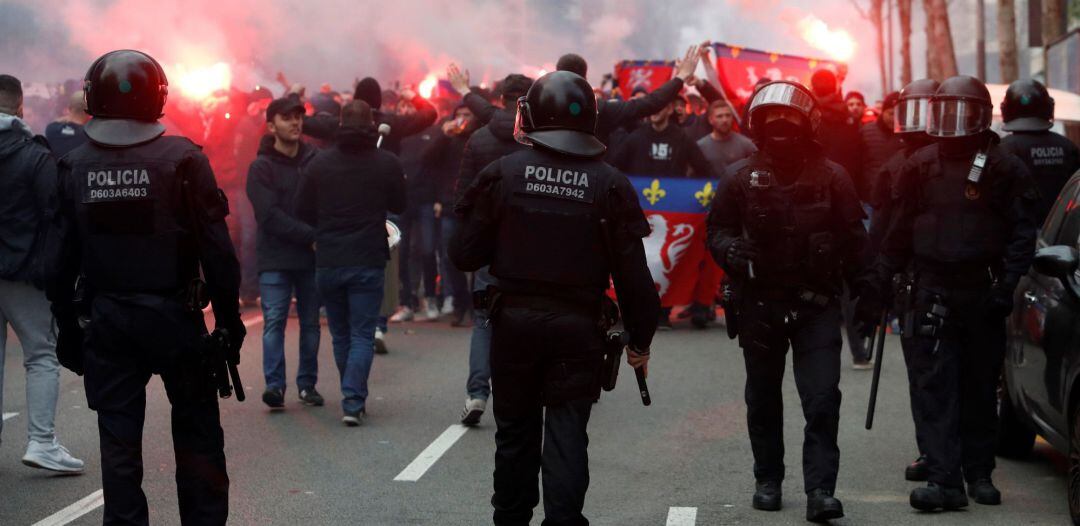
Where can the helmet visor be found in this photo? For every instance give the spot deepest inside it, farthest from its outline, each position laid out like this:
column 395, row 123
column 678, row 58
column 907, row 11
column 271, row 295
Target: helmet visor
column 783, row 94
column 522, row 128
column 911, row 115
column 957, row 118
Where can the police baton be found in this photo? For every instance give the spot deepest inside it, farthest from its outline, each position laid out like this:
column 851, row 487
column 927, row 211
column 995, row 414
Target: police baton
column 879, row 353
column 642, row 386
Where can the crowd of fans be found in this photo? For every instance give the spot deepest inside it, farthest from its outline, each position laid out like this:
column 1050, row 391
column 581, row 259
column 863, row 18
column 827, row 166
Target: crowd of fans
column 260, row 143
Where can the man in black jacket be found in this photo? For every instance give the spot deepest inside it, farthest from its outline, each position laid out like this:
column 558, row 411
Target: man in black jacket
column 346, row 194
column 285, row 253
column 27, row 182
column 612, row 114
column 486, row 145
column 662, row 149
column 324, row 127
column 878, row 143
column 442, row 162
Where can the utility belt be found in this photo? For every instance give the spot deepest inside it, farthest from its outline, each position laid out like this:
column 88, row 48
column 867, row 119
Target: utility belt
column 955, row 275
column 796, row 294
column 544, row 303
column 194, row 296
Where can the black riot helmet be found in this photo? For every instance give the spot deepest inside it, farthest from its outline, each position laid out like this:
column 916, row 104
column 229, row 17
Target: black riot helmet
column 125, row 93
column 1027, row 107
column 912, row 112
column 559, row 113
column 782, row 111
column 961, row 107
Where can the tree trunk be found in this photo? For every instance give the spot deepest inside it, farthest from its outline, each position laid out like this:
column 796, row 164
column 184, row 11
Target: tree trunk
column 876, row 11
column 933, row 65
column 1053, row 20
column 904, row 10
column 1006, row 34
column 940, row 46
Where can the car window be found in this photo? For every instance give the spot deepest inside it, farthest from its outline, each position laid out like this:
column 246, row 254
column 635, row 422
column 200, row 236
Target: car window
column 1066, row 201
column 1069, row 234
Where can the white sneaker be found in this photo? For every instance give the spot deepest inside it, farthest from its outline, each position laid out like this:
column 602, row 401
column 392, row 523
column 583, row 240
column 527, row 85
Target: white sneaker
column 402, row 314
column 448, row 306
column 474, row 409
column 380, row 342
column 51, row 456
column 431, row 310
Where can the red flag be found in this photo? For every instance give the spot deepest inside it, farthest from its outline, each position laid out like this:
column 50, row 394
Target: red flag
column 648, row 74
column 740, row 68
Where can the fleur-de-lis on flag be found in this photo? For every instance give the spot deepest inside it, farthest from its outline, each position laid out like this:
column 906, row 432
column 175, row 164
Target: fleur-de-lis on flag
column 654, row 193
column 705, row 195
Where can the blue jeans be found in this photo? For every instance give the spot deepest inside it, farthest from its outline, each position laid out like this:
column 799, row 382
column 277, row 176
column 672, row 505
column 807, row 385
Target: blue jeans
column 479, row 383
column 455, row 282
column 417, row 253
column 277, row 289
column 352, row 296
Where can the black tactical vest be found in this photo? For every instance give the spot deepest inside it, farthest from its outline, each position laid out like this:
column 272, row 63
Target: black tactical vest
column 958, row 222
column 550, row 230
column 791, row 225
column 131, row 216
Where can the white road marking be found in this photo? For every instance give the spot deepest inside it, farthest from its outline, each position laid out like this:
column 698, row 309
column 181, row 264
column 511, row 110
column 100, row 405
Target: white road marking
column 89, row 503
column 253, row 321
column 431, row 455
column 9, row 416
column 681, row 516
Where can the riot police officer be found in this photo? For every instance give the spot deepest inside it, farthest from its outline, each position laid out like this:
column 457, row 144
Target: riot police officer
column 965, row 223
column 788, row 228
column 553, row 222
column 910, row 126
column 139, row 214
column 1028, row 112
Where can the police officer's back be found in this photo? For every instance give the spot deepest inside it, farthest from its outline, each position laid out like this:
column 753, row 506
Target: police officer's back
column 138, row 215
column 554, row 223
column 1028, row 112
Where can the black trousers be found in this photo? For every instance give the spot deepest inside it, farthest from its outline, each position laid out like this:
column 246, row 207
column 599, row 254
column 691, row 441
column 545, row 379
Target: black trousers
column 955, row 387
column 130, row 338
column 767, row 329
column 544, row 377
column 913, row 392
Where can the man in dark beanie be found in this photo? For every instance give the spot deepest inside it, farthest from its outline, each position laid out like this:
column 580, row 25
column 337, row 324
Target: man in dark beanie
column 401, row 126
column 856, row 104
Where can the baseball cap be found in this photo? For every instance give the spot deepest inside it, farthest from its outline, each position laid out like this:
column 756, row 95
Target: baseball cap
column 283, row 106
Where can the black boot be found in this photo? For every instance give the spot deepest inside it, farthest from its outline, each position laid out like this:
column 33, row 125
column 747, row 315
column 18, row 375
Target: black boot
column 699, row 316
column 934, row 497
column 982, row 491
column 918, row 471
column 768, row 496
column 821, row 506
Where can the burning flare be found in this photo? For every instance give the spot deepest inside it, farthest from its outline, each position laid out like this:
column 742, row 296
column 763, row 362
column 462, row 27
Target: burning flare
column 427, row 86
column 199, row 84
column 837, row 43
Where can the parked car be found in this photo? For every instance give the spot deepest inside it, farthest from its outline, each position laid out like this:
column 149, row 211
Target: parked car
column 1040, row 389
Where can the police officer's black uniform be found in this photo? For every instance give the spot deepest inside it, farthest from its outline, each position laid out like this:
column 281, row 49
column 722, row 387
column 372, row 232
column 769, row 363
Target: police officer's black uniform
column 126, row 230
column 554, row 222
column 1028, row 112
column 965, row 223
column 788, row 228
column 910, row 126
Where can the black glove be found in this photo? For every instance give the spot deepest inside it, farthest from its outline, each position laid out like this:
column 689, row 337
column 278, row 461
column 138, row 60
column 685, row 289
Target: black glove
column 69, row 339
column 999, row 303
column 236, row 332
column 739, row 256
column 868, row 309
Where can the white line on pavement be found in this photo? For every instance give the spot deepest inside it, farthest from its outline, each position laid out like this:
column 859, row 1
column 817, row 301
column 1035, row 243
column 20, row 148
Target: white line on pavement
column 9, row 416
column 89, row 503
column 430, row 456
column 681, row 516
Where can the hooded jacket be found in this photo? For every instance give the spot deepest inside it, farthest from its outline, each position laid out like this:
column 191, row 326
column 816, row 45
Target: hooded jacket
column 838, row 134
column 27, row 182
column 491, row 142
column 346, row 193
column 283, row 241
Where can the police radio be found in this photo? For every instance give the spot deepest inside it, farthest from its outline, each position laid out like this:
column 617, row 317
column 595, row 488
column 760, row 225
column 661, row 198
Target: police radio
column 977, row 168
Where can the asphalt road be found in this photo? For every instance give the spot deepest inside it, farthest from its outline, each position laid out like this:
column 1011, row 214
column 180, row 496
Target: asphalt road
column 688, row 450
